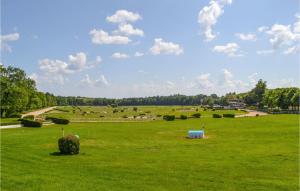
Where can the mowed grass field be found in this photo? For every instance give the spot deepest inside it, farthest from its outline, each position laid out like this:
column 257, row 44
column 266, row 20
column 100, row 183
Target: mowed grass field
column 258, row 153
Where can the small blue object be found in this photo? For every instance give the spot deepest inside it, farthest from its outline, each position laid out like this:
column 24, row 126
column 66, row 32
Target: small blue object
column 196, row 134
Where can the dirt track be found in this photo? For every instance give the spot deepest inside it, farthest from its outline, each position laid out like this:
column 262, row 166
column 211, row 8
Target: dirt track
column 38, row 112
column 252, row 113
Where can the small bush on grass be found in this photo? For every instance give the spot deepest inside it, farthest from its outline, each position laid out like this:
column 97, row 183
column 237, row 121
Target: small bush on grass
column 229, row 115
column 31, row 123
column 158, row 115
column 60, row 121
column 101, row 116
column 215, row 115
column 257, row 115
column 183, row 117
column 125, row 116
column 169, row 117
column 196, row 115
column 69, row 145
column 115, row 111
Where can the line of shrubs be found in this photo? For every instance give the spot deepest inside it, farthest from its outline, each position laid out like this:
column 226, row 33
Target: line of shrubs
column 183, row 117
column 58, row 120
column 225, row 115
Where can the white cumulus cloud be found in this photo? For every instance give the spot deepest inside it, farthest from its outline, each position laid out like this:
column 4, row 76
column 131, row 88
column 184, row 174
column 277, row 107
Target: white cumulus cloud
column 162, row 47
column 281, row 35
column 246, row 37
column 123, row 16
column 138, row 54
column 264, row 52
column 4, row 39
column 102, row 37
column 230, row 49
column 208, row 17
column 129, row 30
column 101, row 81
column 119, row 55
column 262, row 28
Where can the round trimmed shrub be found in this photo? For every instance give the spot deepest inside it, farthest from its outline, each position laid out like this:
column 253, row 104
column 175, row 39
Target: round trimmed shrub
column 196, row 115
column 215, row 115
column 169, row 117
column 183, row 117
column 69, row 144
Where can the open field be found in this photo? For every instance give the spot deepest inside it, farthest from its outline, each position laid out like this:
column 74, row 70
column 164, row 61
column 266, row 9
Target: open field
column 258, row 153
column 126, row 113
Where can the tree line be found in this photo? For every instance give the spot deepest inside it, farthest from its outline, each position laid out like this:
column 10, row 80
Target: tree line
column 19, row 94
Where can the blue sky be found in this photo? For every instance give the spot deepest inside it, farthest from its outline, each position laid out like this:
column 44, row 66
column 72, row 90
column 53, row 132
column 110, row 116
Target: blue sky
column 144, row 48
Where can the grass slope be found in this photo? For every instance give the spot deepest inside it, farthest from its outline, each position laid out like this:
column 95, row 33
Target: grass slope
column 259, row 153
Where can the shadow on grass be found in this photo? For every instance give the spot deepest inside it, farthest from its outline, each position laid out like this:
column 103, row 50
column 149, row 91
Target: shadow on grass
column 61, row 154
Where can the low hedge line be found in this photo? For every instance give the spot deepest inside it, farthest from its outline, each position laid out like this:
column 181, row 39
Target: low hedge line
column 229, row 115
column 31, row 123
column 58, row 120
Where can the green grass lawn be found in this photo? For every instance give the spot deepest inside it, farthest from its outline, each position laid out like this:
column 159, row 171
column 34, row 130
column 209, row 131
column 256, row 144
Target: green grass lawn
column 257, row 154
column 9, row 121
column 144, row 113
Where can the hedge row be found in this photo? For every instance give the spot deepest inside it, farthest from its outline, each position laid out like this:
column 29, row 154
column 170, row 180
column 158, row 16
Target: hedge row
column 31, row 123
column 58, row 120
column 215, row 115
column 230, row 115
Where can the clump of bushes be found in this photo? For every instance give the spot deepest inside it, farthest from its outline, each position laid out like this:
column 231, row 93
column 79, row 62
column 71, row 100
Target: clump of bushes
column 215, row 115
column 115, row 111
column 257, row 115
column 31, row 123
column 125, row 116
column 135, row 109
column 69, row 144
column 183, row 117
column 169, row 117
column 196, row 115
column 58, row 120
column 158, row 115
column 101, row 116
column 229, row 115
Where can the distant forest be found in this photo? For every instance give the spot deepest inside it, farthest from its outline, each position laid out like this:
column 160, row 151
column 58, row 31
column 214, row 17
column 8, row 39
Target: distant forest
column 19, row 94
